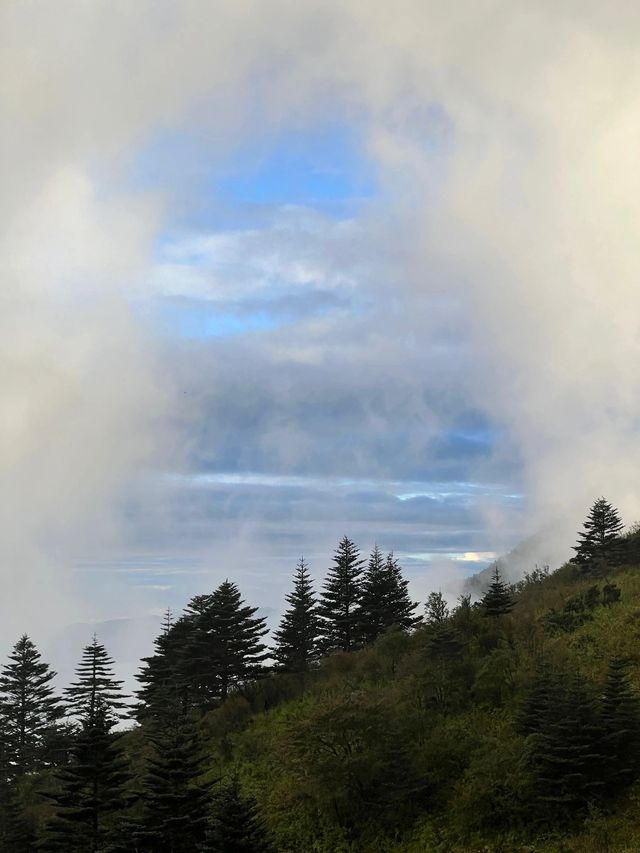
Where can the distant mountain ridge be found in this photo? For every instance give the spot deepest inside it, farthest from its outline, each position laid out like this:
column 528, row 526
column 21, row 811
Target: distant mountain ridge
column 548, row 547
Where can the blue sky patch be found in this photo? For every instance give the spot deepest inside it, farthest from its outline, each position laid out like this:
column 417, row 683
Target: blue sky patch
column 325, row 168
column 194, row 319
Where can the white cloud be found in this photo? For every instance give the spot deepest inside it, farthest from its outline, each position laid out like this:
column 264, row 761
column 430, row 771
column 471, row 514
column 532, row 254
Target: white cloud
column 505, row 139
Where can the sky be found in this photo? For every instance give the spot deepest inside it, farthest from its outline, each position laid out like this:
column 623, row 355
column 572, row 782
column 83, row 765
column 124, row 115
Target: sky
column 277, row 273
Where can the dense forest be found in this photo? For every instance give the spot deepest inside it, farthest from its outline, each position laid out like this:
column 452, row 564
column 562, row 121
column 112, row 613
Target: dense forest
column 368, row 723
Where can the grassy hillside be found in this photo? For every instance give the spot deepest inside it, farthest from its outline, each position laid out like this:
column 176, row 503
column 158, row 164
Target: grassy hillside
column 415, row 744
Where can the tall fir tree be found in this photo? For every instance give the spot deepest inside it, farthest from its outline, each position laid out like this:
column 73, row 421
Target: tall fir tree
column 599, row 547
column 620, row 715
column 340, row 600
column 90, row 795
column 384, row 598
column 30, row 711
column 297, row 639
column 175, row 805
column 232, row 650
column 497, row 600
column 95, row 689
column 401, row 608
column 565, row 752
column 213, row 646
column 164, row 675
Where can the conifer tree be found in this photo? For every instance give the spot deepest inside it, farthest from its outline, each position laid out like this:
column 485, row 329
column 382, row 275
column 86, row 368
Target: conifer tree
column 564, row 744
column 214, row 645
column 340, row 600
column 90, row 794
column 620, row 714
column 296, row 640
column 375, row 591
column 166, row 676
column 401, row 609
column 236, row 826
column 599, row 545
column 167, row 621
column 232, row 639
column 497, row 600
column 29, row 710
column 175, row 805
column 95, row 690
column 384, row 599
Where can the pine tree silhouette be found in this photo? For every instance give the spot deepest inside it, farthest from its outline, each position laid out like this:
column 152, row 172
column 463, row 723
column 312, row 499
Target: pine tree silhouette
column 385, row 598
column 29, row 709
column 497, row 600
column 166, row 676
column 599, row 545
column 296, row 640
column 95, row 690
column 340, row 600
column 231, row 635
column 90, row 788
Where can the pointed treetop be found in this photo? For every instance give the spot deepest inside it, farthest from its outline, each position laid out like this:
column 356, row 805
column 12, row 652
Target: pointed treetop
column 29, row 709
column 297, row 636
column 167, row 621
column 599, row 545
column 95, row 686
column 497, row 600
column 340, row 600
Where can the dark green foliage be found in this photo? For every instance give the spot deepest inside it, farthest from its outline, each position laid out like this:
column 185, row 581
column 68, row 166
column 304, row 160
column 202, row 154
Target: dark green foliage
column 18, row 832
column 296, row 640
column 384, row 598
column 493, row 795
column 340, row 601
column 175, row 806
column 620, row 715
column 235, row 826
column 464, row 619
column 565, row 750
column 29, row 710
column 610, row 594
column 90, row 792
column 538, row 701
column 443, row 642
column 165, row 674
column 435, row 610
column 352, row 758
column 495, row 681
column 228, row 645
column 576, row 611
column 497, row 600
column 580, row 608
column 96, row 691
column 535, row 577
column 214, row 646
column 600, row 546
